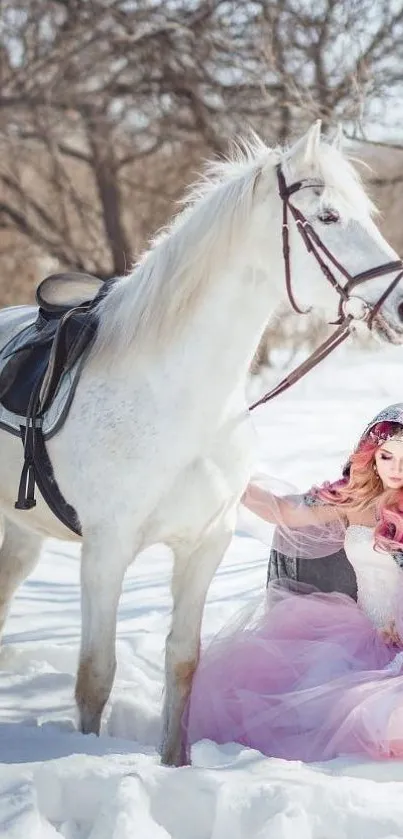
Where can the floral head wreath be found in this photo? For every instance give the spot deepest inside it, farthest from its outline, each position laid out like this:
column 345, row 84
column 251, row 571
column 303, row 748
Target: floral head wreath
column 381, row 437
column 391, row 414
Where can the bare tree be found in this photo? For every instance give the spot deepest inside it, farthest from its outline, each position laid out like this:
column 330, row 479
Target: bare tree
column 107, row 108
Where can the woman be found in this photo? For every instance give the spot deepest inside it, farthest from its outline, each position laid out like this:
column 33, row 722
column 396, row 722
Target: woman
column 314, row 675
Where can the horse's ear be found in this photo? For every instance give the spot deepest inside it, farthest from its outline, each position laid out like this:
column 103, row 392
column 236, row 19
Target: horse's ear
column 307, row 148
column 338, row 139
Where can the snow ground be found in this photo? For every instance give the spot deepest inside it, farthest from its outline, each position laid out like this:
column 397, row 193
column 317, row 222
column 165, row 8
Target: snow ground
column 56, row 783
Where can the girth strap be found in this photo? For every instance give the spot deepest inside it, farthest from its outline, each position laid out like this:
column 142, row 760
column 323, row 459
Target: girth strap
column 37, row 470
column 26, row 489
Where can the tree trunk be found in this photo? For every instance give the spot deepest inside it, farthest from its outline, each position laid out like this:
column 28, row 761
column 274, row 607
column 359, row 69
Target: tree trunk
column 110, row 198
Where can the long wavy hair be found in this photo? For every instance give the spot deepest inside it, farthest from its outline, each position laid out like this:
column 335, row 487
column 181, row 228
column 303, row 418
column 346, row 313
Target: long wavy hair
column 361, row 486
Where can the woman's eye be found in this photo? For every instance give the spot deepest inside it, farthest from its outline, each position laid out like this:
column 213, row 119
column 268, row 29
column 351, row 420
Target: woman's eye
column 328, row 216
column 385, row 457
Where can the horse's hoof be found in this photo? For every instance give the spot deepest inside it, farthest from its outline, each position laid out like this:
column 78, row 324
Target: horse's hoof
column 90, row 723
column 174, row 756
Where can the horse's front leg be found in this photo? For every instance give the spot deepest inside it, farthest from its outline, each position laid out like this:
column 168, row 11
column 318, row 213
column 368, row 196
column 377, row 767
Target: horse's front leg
column 192, row 574
column 103, row 565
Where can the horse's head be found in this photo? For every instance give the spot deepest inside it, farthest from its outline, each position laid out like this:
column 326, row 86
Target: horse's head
column 336, row 253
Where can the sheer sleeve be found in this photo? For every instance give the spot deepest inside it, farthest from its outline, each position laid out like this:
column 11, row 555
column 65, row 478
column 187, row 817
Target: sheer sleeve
column 318, row 535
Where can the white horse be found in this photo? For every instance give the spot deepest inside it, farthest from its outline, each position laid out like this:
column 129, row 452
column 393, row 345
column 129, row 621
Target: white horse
column 158, row 443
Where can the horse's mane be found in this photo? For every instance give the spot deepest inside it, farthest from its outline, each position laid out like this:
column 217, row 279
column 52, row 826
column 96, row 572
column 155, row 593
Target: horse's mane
column 146, row 307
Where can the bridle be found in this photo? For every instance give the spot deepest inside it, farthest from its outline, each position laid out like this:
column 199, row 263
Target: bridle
column 350, row 307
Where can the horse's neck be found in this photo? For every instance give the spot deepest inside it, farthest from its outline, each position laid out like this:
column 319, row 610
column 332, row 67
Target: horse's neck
column 216, row 347
column 207, row 352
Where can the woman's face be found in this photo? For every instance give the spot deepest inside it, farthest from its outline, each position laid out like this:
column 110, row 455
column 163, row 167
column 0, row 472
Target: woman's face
column 389, row 463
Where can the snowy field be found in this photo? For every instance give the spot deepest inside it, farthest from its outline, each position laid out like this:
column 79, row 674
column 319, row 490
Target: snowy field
column 56, row 783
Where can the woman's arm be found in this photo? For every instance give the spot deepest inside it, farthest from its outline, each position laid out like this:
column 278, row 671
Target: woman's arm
column 280, row 511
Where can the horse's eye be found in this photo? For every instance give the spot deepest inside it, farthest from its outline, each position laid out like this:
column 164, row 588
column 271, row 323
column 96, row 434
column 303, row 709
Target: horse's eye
column 328, row 217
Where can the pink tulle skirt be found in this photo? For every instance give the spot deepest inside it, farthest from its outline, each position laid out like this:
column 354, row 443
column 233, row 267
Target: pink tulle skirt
column 306, row 676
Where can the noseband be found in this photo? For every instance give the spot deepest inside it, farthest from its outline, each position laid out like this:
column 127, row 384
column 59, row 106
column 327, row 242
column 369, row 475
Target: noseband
column 350, row 307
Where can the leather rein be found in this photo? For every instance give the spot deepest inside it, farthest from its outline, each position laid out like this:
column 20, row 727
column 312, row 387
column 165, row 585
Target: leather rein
column 318, row 249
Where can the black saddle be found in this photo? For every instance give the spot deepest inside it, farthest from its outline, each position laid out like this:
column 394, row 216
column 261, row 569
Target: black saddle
column 35, row 361
column 44, row 351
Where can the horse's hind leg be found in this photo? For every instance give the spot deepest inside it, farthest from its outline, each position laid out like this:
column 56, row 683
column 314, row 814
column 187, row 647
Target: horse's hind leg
column 192, row 574
column 19, row 552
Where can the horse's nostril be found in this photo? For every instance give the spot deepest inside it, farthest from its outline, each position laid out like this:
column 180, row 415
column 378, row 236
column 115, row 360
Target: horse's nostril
column 400, row 311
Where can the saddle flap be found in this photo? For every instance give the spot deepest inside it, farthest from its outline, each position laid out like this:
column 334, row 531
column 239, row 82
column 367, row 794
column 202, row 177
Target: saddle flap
column 60, row 292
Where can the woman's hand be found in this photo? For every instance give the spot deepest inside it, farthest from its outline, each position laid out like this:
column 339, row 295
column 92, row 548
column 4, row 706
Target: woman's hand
column 254, row 497
column 246, row 495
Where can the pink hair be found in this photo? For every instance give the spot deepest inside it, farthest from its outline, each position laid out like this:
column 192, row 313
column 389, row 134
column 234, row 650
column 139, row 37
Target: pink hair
column 361, row 485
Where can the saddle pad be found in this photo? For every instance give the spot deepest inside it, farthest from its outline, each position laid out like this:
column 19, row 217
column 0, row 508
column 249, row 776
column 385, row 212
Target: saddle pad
column 14, row 321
